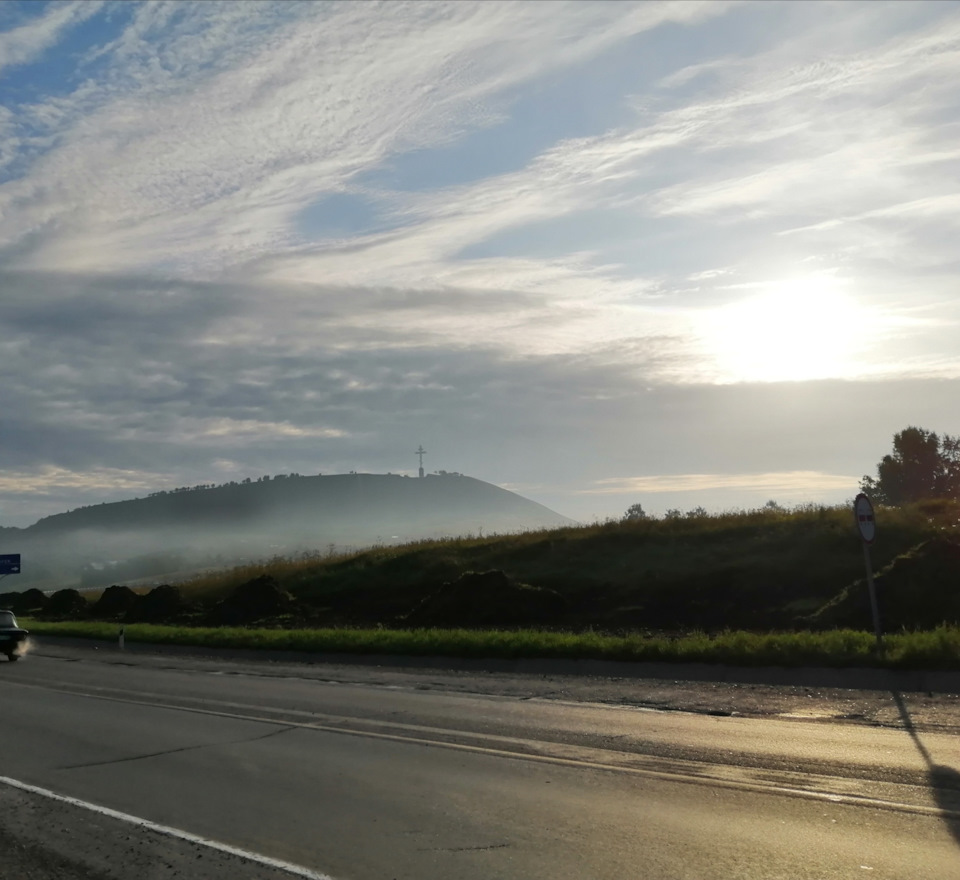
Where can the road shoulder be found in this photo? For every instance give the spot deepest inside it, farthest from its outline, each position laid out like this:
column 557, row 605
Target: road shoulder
column 886, row 704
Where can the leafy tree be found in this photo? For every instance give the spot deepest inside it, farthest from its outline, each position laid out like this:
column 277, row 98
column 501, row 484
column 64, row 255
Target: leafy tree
column 921, row 466
column 634, row 512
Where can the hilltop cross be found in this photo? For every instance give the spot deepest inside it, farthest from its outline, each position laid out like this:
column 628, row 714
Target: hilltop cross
column 421, row 452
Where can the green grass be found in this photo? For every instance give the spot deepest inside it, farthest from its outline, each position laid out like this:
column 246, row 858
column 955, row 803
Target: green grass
column 936, row 649
column 757, row 570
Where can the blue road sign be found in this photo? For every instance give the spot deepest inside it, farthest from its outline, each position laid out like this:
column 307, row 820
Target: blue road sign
column 9, row 563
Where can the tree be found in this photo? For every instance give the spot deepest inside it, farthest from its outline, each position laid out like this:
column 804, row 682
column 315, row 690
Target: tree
column 634, row 512
column 921, row 466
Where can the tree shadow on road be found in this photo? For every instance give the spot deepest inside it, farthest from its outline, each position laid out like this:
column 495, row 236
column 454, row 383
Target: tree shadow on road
column 943, row 781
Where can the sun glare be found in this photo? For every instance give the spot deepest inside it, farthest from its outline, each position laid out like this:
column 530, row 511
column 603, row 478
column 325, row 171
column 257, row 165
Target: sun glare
column 794, row 330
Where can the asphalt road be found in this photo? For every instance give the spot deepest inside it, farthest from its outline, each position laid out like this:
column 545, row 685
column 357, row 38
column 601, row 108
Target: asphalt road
column 401, row 777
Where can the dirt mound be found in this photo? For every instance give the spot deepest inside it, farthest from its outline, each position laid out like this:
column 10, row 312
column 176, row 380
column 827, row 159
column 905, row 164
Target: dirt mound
column 920, row 589
column 253, row 600
column 487, row 599
column 114, row 602
column 25, row 602
column 160, row 605
column 67, row 604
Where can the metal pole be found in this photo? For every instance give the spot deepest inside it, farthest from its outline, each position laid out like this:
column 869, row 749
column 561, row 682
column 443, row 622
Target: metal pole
column 873, row 598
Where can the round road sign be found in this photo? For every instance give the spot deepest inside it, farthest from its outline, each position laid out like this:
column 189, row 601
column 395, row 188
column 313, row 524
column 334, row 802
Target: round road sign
column 863, row 511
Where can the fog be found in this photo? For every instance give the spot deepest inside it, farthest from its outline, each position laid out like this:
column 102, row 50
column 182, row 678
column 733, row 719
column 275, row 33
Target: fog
column 171, row 535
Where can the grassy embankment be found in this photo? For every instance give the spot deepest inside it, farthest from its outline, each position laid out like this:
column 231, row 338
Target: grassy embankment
column 763, row 587
column 756, row 570
column 934, row 649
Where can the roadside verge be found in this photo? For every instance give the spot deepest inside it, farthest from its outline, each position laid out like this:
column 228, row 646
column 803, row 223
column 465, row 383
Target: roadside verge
column 855, row 678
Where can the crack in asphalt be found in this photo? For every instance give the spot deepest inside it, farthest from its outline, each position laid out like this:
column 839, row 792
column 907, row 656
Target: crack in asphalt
column 284, row 729
column 458, row 849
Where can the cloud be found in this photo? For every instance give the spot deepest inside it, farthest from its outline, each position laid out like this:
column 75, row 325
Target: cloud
column 857, row 127
column 132, row 372
column 787, row 481
column 222, row 179
column 28, row 42
column 191, row 158
column 58, row 480
column 226, row 432
column 936, row 207
column 753, row 160
column 185, row 294
column 128, row 371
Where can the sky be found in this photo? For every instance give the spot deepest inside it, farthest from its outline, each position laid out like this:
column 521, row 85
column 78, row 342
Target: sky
column 681, row 254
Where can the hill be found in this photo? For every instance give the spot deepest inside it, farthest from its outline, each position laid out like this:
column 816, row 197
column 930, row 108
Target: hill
column 206, row 526
column 753, row 570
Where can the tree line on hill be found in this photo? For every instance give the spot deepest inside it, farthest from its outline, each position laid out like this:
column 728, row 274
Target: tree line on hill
column 266, row 478
column 923, row 466
column 636, row 512
column 201, row 486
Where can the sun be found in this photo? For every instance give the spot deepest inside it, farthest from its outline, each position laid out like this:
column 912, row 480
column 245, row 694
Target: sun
column 793, row 330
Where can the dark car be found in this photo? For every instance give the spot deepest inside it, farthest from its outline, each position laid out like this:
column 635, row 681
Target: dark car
column 12, row 636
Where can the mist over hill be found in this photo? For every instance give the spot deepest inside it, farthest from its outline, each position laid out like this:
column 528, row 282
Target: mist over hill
column 209, row 525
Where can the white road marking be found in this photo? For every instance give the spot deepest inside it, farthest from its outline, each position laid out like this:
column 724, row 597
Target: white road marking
column 278, row 864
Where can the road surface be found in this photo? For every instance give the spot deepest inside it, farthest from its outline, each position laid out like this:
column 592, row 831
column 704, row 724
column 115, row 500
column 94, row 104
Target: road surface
column 401, row 777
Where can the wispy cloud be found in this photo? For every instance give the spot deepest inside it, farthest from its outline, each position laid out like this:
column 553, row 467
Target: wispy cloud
column 58, row 480
column 205, row 163
column 29, row 41
column 787, row 481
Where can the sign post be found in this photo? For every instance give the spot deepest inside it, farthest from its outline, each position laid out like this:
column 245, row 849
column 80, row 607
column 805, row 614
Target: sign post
column 867, row 526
